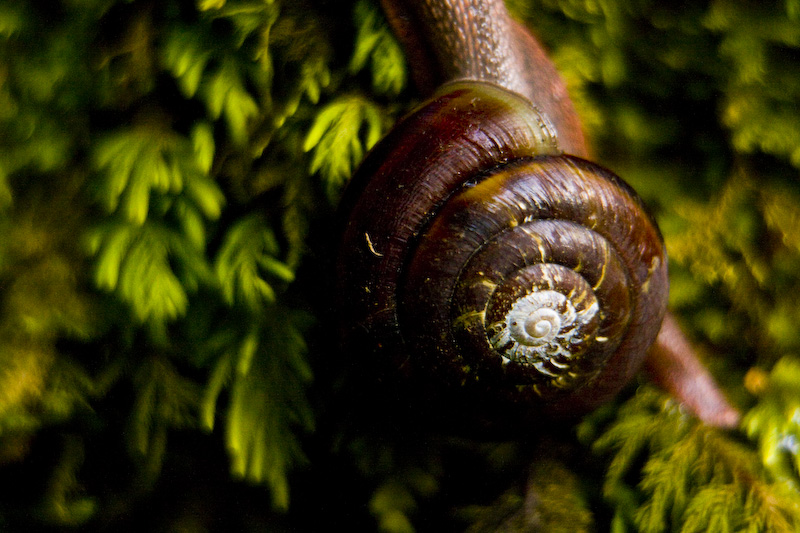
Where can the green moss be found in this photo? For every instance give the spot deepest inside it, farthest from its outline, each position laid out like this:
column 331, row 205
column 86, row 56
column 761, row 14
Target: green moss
column 168, row 172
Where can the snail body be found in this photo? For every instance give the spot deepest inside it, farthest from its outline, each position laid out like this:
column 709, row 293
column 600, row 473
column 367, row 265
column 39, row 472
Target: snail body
column 478, row 255
column 480, row 259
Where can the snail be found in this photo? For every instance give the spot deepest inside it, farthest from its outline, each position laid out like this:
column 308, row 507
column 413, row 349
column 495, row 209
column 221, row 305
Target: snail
column 485, row 253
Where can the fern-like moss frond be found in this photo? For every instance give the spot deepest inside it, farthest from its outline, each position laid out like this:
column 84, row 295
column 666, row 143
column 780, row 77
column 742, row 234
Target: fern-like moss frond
column 774, row 422
column 266, row 371
column 137, row 163
column 692, row 477
column 148, row 266
column 164, row 400
column 377, row 47
column 248, row 256
column 341, row 134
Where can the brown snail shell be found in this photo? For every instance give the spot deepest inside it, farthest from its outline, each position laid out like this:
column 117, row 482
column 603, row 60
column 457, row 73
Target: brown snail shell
column 478, row 256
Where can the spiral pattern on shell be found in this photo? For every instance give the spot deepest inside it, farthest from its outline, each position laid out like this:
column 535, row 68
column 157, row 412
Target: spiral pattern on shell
column 476, row 252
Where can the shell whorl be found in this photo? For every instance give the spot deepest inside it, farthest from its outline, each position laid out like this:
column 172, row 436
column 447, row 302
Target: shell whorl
column 476, row 252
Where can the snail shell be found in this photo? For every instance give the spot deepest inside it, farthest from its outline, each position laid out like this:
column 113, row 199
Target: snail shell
column 477, row 255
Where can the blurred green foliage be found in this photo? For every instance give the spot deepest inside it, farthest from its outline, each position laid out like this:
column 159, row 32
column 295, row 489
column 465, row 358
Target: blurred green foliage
column 168, row 176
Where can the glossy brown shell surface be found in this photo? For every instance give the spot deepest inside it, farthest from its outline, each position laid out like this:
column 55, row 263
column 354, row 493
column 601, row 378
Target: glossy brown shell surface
column 465, row 210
